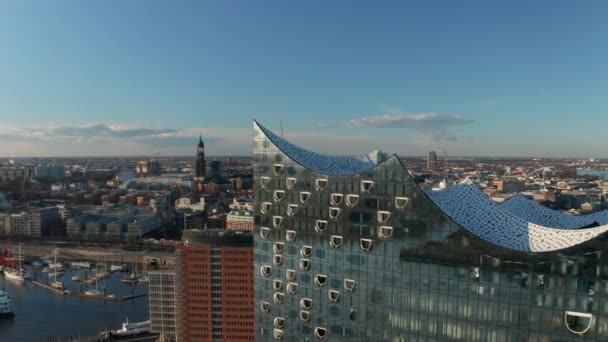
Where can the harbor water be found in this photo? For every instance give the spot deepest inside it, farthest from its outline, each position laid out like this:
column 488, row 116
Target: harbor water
column 41, row 313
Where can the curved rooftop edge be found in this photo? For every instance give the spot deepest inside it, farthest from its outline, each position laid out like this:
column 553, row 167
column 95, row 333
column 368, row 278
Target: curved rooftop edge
column 328, row 165
column 470, row 208
column 528, row 209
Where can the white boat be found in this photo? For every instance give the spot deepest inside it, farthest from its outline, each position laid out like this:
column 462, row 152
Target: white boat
column 57, row 285
column 16, row 275
column 46, row 270
column 54, row 274
column 117, row 268
column 36, row 263
column 5, row 306
column 132, row 329
column 80, row 264
column 57, row 266
column 93, row 292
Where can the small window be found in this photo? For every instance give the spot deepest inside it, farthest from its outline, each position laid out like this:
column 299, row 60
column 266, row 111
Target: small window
column 306, row 303
column 305, row 264
column 279, row 322
column 292, row 209
column 352, row 200
column 320, row 280
column 401, row 202
column 333, row 295
column 385, row 232
column 265, row 306
column 279, row 297
column 305, row 315
column 306, row 251
column 366, row 185
column 265, row 207
column 383, row 216
column 277, row 285
column 291, row 275
column 264, row 232
column 278, row 169
column 276, row 221
column 366, row 244
column 335, row 241
column 350, row 285
column 320, row 184
column 578, row 322
column 277, row 259
column 278, row 334
column 290, row 235
column 334, row 213
column 279, row 247
column 292, row 288
column 266, row 270
column 321, row 333
column 278, row 195
column 304, row 196
column 264, row 181
column 336, row 199
column 291, row 182
column 320, row 226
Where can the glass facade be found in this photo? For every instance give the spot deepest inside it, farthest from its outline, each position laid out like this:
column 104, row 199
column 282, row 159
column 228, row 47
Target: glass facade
column 368, row 257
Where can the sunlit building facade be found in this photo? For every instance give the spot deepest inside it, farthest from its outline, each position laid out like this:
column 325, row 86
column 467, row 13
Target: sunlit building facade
column 350, row 250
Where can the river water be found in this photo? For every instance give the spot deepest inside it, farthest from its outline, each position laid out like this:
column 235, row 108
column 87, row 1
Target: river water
column 41, row 313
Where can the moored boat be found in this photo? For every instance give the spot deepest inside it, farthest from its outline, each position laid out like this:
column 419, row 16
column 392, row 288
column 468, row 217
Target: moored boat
column 5, row 306
column 132, row 329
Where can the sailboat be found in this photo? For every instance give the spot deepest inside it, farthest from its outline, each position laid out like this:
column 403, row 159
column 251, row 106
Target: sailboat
column 58, row 285
column 17, row 275
column 95, row 291
column 132, row 278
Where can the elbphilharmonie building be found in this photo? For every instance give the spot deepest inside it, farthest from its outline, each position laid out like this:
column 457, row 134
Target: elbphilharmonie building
column 350, row 250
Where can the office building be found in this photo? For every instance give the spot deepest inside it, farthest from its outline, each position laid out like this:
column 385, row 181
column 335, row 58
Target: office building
column 162, row 304
column 240, row 216
column 347, row 250
column 215, row 286
column 431, row 161
column 148, row 168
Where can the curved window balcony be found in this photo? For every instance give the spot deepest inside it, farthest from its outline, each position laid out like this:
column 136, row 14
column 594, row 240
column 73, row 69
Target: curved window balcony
column 306, row 303
column 333, row 295
column 305, row 264
column 305, row 315
column 291, row 275
column 279, row 298
column 292, row 209
column 277, row 259
column 320, row 184
column 320, row 333
column 578, row 322
column 278, row 334
column 336, row 199
column 264, row 181
column 321, row 280
column 290, row 235
column 265, row 306
column 290, row 182
column 264, row 232
column 278, row 195
column 366, row 244
column 306, row 251
column 279, row 322
column 320, row 226
column 383, row 216
column 265, row 207
column 279, row 247
column 335, row 241
column 401, row 202
column 278, row 169
column 292, row 288
column 304, row 196
column 366, row 186
column 385, row 232
column 277, row 285
column 266, row 270
column 276, row 221
column 352, row 200
column 334, row 213
column 350, row 285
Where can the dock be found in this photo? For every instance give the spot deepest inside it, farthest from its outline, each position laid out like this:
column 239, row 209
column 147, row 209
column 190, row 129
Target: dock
column 84, row 295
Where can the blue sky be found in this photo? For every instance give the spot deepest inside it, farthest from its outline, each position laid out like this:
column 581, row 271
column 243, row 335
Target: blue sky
column 496, row 78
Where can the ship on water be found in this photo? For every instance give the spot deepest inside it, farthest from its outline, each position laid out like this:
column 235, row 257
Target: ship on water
column 18, row 274
column 132, row 329
column 5, row 306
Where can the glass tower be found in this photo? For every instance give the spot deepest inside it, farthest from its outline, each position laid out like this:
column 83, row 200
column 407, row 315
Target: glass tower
column 349, row 250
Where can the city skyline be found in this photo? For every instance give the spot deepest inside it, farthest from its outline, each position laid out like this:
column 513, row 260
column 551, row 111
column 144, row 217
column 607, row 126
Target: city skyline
column 477, row 79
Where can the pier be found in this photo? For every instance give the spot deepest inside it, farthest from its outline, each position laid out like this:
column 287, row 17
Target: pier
column 84, row 295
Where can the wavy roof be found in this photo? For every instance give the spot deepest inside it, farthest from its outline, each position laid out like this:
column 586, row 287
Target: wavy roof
column 528, row 209
column 469, row 207
column 329, row 165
